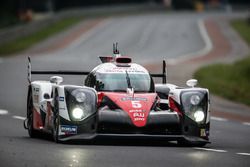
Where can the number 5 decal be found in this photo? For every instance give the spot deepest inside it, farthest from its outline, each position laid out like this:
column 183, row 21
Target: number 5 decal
column 136, row 104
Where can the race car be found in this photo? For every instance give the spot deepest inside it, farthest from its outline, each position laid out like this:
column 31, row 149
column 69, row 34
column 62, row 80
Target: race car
column 118, row 99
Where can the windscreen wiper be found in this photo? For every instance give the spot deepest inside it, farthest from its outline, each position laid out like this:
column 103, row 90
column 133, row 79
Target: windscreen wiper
column 128, row 80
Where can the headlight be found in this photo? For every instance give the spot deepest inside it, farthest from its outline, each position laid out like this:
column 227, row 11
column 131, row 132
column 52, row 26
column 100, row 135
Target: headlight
column 78, row 113
column 199, row 116
column 81, row 102
column 195, row 105
column 79, row 95
column 195, row 100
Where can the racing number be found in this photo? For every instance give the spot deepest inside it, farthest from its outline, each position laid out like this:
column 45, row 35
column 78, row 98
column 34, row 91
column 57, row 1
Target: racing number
column 136, row 104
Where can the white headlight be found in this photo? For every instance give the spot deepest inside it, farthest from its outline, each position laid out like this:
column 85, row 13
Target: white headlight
column 195, row 99
column 78, row 113
column 199, row 116
column 80, row 97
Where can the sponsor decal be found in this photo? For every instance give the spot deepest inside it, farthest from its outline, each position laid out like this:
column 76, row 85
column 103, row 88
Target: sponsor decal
column 36, row 89
column 67, row 129
column 138, row 110
column 138, row 115
column 134, row 99
column 61, row 98
column 121, row 70
column 203, row 132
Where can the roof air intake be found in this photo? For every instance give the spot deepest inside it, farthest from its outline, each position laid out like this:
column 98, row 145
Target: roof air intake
column 123, row 60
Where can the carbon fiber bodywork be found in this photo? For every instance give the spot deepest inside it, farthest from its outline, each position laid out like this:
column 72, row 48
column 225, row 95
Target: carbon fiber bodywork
column 117, row 124
column 162, row 122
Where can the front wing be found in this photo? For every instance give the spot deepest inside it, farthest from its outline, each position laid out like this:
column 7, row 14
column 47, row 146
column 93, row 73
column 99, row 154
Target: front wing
column 109, row 124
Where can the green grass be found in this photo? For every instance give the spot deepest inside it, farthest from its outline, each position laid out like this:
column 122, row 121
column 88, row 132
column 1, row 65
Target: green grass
column 23, row 43
column 242, row 26
column 231, row 81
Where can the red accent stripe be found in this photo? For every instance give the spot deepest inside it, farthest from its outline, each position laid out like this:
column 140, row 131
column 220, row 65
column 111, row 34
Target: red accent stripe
column 174, row 107
column 37, row 120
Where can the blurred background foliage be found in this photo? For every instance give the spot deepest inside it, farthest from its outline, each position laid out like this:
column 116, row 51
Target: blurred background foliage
column 14, row 11
column 230, row 81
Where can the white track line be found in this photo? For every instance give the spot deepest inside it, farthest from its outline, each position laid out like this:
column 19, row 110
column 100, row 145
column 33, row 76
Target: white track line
column 18, row 117
column 208, row 46
column 246, row 123
column 83, row 37
column 218, row 119
column 246, row 154
column 3, row 112
column 209, row 149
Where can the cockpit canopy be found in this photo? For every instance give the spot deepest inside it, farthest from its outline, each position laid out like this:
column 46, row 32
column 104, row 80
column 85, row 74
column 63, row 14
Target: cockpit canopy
column 119, row 82
column 110, row 78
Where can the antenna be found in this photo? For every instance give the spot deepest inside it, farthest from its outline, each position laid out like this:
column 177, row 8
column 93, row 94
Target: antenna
column 115, row 48
column 164, row 72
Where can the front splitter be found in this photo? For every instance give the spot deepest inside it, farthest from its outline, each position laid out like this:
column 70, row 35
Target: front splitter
column 134, row 136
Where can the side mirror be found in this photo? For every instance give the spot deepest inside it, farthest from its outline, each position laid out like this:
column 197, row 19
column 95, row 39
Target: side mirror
column 192, row 83
column 56, row 79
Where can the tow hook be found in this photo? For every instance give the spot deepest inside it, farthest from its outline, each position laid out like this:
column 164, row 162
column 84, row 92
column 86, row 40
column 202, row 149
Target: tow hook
column 25, row 123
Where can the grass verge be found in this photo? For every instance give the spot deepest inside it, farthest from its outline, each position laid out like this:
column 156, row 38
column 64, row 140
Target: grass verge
column 230, row 81
column 243, row 28
column 23, row 43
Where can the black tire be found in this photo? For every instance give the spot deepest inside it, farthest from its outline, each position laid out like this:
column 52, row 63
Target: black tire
column 32, row 132
column 56, row 130
column 186, row 143
column 56, row 119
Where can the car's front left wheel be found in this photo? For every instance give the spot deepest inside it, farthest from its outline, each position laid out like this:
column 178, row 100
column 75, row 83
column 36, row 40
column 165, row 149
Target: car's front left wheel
column 32, row 132
column 56, row 119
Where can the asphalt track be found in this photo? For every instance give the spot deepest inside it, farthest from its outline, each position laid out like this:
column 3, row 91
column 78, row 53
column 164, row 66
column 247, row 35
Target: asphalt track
column 148, row 39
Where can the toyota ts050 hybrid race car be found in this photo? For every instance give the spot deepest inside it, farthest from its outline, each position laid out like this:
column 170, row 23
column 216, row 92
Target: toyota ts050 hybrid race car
column 119, row 99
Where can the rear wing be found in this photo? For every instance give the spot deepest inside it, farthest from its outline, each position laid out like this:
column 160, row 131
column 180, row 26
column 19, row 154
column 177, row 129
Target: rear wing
column 163, row 75
column 30, row 72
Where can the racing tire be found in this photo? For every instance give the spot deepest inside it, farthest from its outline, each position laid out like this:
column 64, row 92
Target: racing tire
column 186, row 143
column 55, row 130
column 32, row 132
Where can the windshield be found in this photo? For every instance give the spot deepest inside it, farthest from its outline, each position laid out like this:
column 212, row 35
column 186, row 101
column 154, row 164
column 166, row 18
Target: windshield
column 119, row 82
